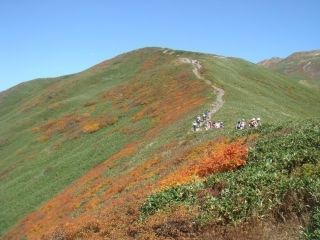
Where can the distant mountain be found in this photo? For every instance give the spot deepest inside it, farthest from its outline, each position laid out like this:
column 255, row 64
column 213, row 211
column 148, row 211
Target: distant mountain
column 302, row 66
column 269, row 63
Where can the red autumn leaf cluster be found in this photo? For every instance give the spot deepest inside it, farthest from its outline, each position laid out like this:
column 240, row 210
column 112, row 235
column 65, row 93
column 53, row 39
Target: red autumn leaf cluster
column 209, row 158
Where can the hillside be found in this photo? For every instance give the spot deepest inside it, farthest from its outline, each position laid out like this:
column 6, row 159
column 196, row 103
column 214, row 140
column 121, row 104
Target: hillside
column 302, row 66
column 83, row 152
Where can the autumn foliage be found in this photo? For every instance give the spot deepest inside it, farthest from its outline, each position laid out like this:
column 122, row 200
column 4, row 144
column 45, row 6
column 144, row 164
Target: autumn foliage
column 224, row 157
column 209, row 158
column 73, row 125
column 164, row 98
column 91, row 127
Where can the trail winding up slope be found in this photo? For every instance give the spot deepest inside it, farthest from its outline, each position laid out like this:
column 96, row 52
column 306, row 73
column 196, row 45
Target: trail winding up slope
column 219, row 92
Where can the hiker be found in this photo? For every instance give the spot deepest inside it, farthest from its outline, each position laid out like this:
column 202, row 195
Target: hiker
column 258, row 121
column 253, row 123
column 238, row 125
column 208, row 125
column 243, row 124
column 194, row 126
column 250, row 123
column 204, row 116
column 198, row 119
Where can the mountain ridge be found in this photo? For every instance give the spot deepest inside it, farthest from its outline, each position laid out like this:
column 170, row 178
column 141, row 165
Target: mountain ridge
column 303, row 66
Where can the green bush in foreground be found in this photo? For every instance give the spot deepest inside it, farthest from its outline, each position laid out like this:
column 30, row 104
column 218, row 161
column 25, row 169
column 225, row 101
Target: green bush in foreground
column 313, row 232
column 281, row 178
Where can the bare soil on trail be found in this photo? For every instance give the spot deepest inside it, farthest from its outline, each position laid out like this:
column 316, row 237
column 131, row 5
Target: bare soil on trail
column 219, row 92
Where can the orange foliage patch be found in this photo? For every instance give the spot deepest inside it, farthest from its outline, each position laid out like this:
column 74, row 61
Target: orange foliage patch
column 35, row 129
column 209, row 158
column 227, row 156
column 165, row 98
column 73, row 125
column 150, row 62
column 162, row 103
column 43, row 138
column 91, row 127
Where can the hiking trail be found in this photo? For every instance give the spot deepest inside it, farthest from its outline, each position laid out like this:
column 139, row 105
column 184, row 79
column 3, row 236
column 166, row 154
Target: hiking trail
column 219, row 92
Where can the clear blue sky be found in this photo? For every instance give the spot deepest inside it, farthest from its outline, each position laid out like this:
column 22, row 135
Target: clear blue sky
column 47, row 38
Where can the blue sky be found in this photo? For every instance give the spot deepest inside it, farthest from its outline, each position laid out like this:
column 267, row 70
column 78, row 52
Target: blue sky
column 47, row 38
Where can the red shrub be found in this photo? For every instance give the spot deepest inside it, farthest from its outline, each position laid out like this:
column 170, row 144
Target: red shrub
column 209, row 158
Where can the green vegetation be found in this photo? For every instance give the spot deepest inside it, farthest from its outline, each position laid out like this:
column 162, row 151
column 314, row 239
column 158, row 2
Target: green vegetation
column 313, row 231
column 281, row 178
column 53, row 131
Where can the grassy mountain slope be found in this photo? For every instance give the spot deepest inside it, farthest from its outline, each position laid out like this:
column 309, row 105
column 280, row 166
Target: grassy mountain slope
column 302, row 66
column 97, row 143
column 54, row 133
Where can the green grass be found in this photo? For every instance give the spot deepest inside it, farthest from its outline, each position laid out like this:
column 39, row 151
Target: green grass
column 32, row 172
column 313, row 231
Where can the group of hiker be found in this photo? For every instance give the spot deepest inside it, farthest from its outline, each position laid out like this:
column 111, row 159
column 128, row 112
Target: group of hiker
column 214, row 124
column 205, row 122
column 252, row 123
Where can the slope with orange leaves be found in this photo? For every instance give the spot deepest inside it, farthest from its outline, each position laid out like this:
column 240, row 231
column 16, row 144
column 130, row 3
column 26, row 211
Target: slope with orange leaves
column 161, row 94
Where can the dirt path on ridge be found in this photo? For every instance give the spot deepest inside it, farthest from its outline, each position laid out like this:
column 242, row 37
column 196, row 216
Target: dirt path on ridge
column 219, row 92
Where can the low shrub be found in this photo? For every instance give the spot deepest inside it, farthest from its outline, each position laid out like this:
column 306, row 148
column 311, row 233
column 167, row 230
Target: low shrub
column 177, row 194
column 208, row 158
